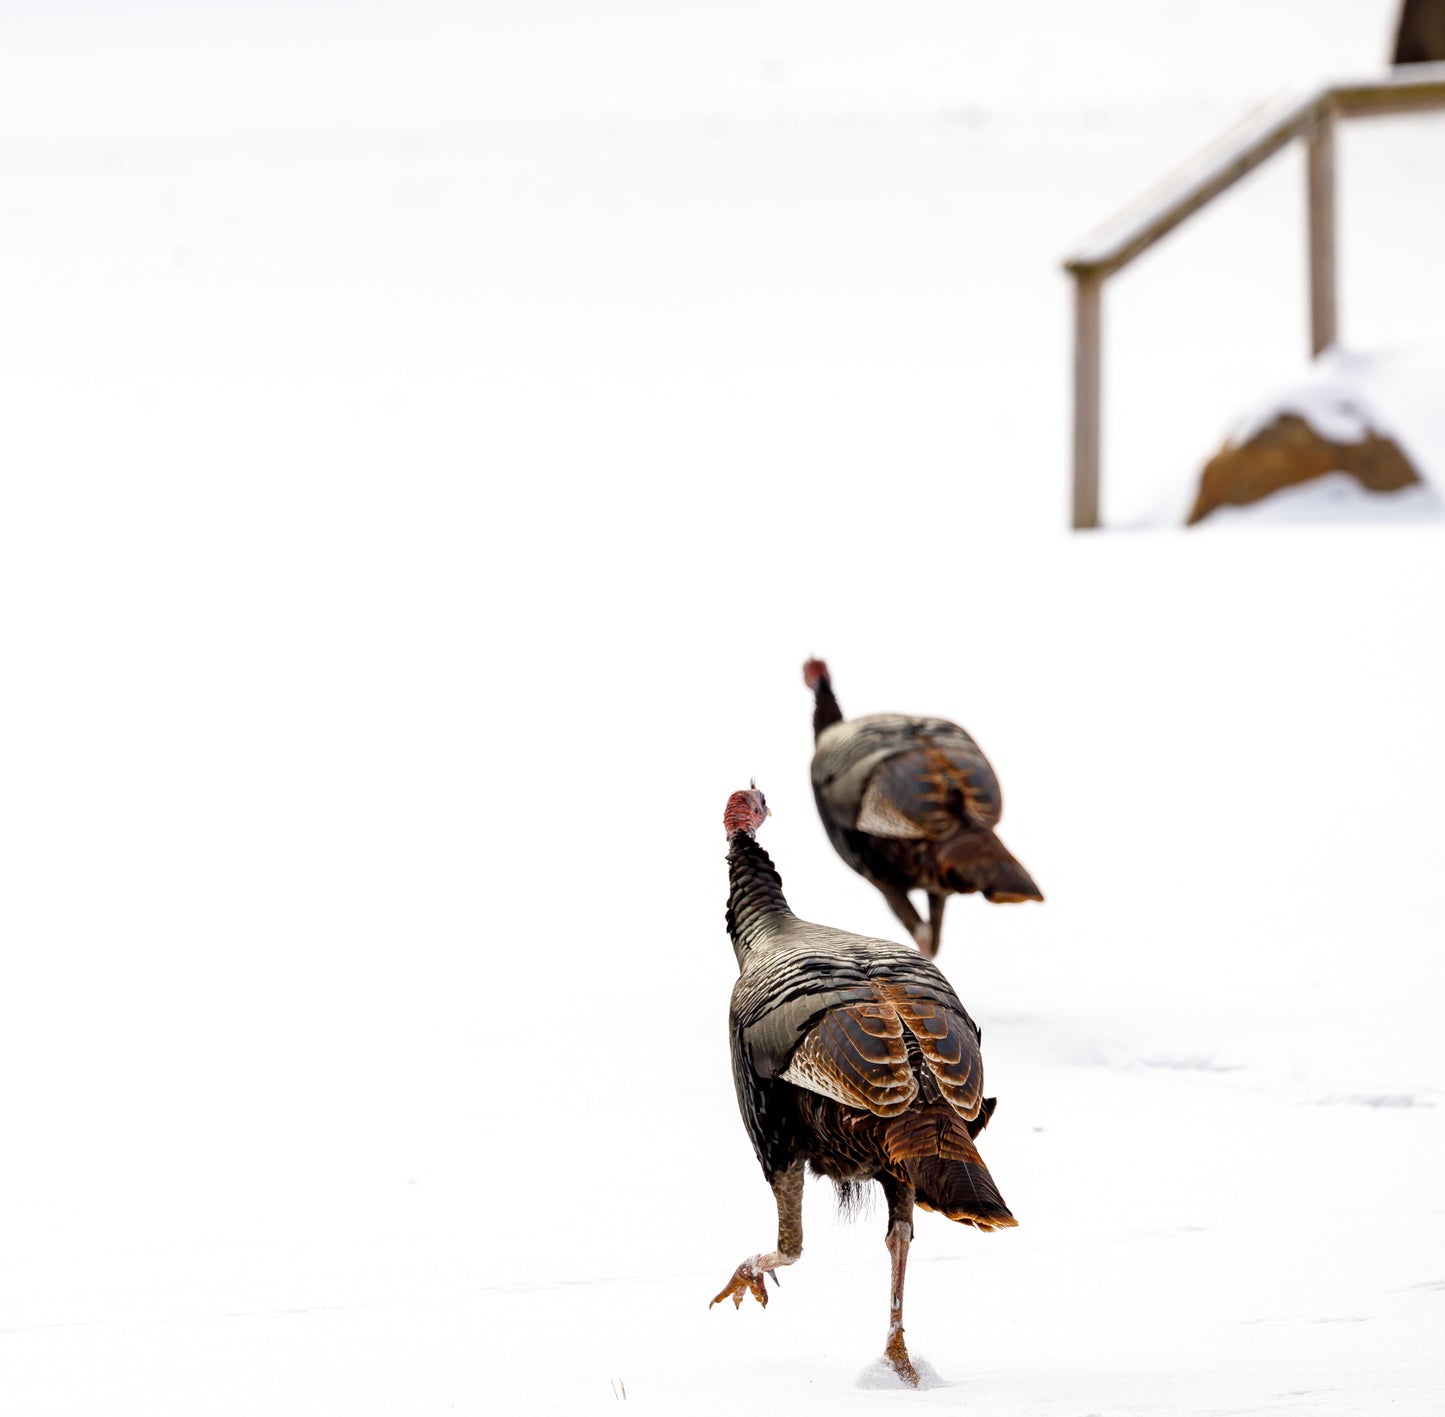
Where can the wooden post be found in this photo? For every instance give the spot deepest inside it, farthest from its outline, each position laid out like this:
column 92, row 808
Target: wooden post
column 1320, row 144
column 1414, row 88
column 1088, row 288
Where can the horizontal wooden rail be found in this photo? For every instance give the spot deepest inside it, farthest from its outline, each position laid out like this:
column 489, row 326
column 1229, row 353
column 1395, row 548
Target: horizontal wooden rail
column 1414, row 88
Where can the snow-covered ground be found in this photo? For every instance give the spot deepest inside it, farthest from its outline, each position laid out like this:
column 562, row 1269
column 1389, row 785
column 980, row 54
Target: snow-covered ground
column 434, row 440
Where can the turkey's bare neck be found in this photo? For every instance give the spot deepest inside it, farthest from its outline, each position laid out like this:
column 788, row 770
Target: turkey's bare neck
column 756, row 905
column 825, row 709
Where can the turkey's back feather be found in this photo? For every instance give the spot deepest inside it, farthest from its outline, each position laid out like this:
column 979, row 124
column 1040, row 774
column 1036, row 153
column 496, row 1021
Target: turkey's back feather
column 948, row 1041
column 855, row 1019
column 852, row 1052
column 894, row 776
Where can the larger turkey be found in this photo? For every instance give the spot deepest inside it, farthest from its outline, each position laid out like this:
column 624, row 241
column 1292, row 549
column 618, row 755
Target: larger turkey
column 852, row 1057
column 910, row 804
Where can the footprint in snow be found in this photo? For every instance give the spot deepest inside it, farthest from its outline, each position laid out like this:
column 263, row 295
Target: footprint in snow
column 878, row 1374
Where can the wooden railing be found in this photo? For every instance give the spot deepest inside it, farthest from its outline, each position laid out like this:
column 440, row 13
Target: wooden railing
column 1411, row 89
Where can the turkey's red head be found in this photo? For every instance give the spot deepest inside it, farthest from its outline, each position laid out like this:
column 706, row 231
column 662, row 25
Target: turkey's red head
column 746, row 812
column 814, row 672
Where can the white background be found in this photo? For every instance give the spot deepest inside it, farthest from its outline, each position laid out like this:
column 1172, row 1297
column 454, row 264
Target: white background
column 433, row 439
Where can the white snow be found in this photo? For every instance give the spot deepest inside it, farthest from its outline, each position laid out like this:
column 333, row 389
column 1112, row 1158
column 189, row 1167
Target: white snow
column 880, row 1376
column 1328, row 397
column 434, row 440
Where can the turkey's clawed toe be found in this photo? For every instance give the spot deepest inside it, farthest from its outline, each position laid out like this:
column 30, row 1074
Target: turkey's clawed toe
column 747, row 1279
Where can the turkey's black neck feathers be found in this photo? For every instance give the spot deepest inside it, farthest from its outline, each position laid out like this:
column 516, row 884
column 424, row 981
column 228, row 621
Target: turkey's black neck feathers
column 755, row 894
column 825, row 708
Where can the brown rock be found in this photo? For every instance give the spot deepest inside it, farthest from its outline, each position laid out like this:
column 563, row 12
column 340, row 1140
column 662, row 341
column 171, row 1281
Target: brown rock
column 1288, row 451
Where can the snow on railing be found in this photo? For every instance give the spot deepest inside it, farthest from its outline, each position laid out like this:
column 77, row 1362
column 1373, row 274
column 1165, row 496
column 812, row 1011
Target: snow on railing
column 1410, row 89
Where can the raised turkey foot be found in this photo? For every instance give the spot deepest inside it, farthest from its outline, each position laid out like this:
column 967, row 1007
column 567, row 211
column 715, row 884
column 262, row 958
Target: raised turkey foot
column 747, row 1279
column 748, row 1276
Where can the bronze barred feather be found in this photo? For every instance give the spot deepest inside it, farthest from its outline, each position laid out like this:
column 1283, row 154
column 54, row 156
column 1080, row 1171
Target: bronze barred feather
column 855, row 1058
column 911, row 804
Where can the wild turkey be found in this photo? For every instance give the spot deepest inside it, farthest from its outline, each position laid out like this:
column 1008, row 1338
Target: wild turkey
column 855, row 1058
column 910, row 804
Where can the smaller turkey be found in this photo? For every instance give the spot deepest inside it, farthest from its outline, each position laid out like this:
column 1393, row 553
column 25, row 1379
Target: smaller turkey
column 911, row 804
column 852, row 1058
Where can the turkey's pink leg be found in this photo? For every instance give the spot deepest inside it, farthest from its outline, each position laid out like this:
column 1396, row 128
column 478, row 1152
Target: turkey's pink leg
column 899, row 1236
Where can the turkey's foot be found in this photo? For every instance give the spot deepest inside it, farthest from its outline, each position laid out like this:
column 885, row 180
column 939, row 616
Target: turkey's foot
column 747, row 1279
column 897, row 1356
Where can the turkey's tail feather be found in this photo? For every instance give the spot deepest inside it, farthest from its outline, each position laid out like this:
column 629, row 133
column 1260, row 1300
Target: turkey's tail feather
column 976, row 860
column 933, row 1150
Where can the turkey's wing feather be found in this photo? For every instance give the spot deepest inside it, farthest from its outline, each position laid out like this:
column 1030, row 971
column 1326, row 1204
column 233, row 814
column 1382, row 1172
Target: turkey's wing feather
column 909, row 778
column 857, row 1056
column 771, row 1034
column 928, row 791
column 768, row 1110
column 834, row 1013
column 844, row 1028
column 840, row 787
